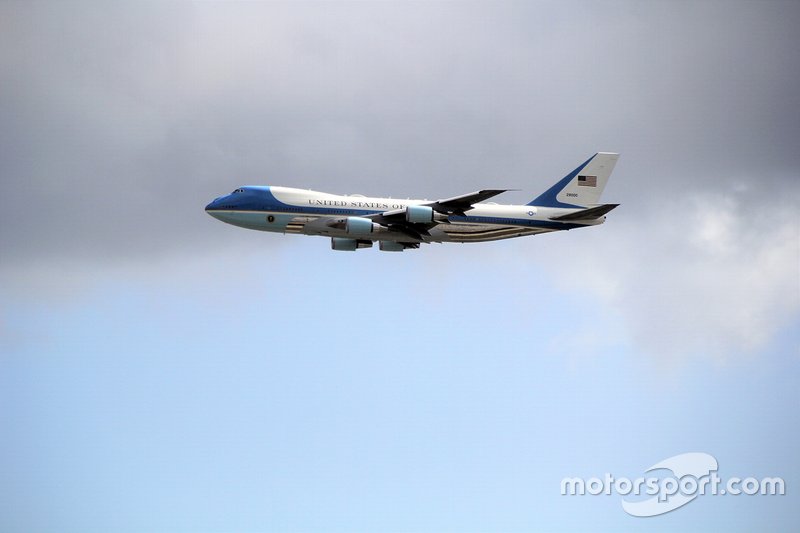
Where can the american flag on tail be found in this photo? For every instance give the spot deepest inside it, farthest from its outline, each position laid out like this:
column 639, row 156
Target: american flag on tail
column 587, row 181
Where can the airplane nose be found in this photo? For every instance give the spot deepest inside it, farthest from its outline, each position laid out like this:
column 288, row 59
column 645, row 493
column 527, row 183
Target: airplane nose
column 213, row 205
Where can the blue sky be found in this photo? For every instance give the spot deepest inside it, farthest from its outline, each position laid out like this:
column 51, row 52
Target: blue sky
column 160, row 371
column 207, row 400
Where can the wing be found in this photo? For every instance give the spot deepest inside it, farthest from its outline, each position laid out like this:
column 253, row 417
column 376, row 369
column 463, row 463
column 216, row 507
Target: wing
column 458, row 204
column 587, row 214
column 396, row 220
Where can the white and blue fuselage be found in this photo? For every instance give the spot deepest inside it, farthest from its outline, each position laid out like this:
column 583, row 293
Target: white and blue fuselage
column 355, row 221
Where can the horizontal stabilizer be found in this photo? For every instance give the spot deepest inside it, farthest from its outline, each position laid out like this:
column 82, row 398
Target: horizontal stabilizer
column 587, row 214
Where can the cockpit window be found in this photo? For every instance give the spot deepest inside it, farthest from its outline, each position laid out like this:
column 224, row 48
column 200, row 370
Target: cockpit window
column 237, row 190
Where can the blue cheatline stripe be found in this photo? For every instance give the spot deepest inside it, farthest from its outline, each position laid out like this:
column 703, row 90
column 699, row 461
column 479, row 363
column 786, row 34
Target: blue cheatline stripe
column 517, row 222
column 549, row 197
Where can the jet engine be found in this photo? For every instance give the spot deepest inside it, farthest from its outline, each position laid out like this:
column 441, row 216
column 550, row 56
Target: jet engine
column 348, row 245
column 359, row 226
column 419, row 214
column 391, row 246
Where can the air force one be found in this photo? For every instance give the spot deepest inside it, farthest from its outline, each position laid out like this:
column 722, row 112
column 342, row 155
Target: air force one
column 355, row 221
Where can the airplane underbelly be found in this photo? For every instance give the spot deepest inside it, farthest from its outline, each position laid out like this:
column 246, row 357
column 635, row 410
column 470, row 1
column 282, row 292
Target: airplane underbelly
column 480, row 232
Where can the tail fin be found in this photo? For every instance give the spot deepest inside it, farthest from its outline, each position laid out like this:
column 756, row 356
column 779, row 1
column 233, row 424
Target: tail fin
column 583, row 186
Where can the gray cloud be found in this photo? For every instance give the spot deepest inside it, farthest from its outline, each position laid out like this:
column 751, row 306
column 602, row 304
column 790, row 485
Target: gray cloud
column 119, row 122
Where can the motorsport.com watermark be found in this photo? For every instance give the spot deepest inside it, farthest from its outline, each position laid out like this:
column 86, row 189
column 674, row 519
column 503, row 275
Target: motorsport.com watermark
column 694, row 474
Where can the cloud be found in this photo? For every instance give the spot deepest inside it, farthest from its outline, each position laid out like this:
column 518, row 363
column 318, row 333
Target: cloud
column 709, row 277
column 120, row 122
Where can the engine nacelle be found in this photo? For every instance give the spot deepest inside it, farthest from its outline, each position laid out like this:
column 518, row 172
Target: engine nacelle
column 391, row 246
column 359, row 226
column 348, row 245
column 419, row 214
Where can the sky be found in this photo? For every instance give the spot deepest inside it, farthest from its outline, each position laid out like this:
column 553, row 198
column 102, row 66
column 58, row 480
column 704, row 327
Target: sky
column 161, row 371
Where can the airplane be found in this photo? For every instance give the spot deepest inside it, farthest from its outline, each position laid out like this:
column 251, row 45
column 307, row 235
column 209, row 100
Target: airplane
column 355, row 221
